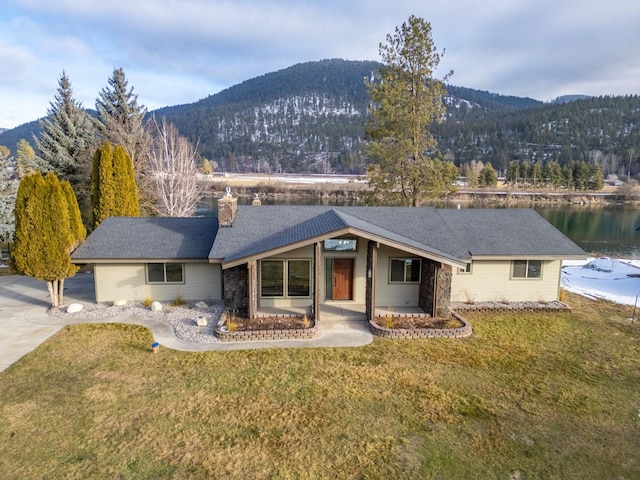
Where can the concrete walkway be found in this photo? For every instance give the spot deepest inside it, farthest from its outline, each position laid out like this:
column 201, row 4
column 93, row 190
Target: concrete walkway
column 24, row 323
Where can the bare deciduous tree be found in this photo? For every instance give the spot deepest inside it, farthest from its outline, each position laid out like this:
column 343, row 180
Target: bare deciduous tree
column 174, row 171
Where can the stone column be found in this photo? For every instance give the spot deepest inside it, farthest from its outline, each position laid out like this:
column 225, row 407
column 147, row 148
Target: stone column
column 443, row 291
column 235, row 287
column 370, row 293
column 427, row 295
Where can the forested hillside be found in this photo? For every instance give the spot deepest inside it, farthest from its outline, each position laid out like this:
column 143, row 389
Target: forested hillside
column 306, row 118
column 310, row 118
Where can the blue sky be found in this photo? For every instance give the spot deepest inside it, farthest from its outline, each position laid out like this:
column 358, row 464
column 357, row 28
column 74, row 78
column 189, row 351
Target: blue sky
column 179, row 51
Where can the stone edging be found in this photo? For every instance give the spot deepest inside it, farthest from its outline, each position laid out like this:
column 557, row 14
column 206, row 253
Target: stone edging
column 255, row 335
column 405, row 333
column 556, row 306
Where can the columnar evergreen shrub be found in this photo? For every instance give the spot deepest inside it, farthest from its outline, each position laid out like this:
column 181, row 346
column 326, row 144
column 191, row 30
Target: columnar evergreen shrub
column 47, row 229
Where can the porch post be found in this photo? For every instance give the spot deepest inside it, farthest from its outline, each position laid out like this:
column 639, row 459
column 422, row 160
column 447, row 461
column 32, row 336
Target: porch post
column 317, row 258
column 372, row 265
column 253, row 288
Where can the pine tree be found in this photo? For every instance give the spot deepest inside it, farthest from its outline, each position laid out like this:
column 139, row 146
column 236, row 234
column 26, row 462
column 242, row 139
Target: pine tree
column 8, row 188
column 67, row 138
column 43, row 239
column 406, row 101
column 488, row 176
column 596, row 180
column 114, row 191
column 120, row 121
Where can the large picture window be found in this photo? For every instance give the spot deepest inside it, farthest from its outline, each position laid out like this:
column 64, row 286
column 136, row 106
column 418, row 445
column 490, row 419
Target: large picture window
column 404, row 270
column 165, row 273
column 285, row 278
column 527, row 269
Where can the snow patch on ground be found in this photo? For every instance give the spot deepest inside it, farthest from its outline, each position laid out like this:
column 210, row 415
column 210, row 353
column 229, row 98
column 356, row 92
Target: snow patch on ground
column 606, row 278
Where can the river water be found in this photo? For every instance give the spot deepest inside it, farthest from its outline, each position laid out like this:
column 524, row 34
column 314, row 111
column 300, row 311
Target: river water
column 612, row 231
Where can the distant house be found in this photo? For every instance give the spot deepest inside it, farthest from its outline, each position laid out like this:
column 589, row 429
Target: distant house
column 257, row 258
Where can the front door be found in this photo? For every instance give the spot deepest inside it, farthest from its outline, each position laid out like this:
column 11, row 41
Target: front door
column 342, row 279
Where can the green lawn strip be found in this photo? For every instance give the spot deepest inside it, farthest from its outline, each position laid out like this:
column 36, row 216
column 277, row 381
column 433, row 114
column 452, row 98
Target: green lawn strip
column 529, row 396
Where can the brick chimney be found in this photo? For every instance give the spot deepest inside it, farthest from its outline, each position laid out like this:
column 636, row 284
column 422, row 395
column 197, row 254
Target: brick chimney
column 227, row 208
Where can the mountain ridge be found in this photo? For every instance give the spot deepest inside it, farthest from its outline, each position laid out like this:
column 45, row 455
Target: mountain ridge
column 310, row 117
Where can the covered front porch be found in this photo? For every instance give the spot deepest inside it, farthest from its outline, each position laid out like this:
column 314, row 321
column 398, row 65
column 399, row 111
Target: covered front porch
column 370, row 280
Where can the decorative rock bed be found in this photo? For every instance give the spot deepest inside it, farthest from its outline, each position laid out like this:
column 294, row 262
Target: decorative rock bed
column 414, row 333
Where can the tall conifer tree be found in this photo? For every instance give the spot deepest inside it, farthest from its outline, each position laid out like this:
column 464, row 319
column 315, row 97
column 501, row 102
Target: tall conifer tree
column 406, row 101
column 43, row 239
column 120, row 121
column 67, row 137
column 8, row 188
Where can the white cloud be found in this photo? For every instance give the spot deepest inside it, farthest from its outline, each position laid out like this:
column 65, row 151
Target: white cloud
column 177, row 51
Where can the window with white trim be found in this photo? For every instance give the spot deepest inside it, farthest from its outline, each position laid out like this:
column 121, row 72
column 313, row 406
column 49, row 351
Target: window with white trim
column 165, row 273
column 287, row 278
column 404, row 270
column 526, row 269
column 465, row 270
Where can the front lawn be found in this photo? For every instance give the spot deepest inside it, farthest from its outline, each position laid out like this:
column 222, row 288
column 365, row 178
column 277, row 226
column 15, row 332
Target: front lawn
column 553, row 396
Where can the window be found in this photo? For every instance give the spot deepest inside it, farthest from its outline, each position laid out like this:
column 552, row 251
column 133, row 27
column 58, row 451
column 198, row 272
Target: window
column 280, row 276
column 165, row 273
column 465, row 270
column 527, row 269
column 340, row 245
column 404, row 270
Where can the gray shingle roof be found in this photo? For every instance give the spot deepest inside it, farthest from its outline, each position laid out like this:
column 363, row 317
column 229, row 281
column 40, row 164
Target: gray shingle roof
column 449, row 233
column 120, row 238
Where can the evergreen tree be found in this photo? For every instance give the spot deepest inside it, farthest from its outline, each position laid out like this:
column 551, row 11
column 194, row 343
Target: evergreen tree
column 113, row 186
column 76, row 227
column 553, row 173
column 43, row 239
column 513, row 172
column 488, row 176
column 596, row 180
column 126, row 191
column 67, row 138
column 8, row 188
column 406, row 101
column 120, row 121
column 26, row 160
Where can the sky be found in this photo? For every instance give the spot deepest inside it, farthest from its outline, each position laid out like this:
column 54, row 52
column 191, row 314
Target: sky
column 180, row 51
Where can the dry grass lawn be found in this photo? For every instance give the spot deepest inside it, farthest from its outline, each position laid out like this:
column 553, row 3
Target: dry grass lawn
column 553, row 396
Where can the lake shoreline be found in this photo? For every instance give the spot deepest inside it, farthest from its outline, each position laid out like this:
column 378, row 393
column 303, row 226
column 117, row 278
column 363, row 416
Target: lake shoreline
column 352, row 190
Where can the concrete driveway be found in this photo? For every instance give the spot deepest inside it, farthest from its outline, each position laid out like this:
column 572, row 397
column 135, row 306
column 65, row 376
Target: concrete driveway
column 25, row 324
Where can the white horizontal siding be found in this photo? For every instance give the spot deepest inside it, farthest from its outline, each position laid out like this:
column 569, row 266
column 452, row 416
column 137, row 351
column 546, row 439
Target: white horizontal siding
column 202, row 281
column 393, row 294
column 491, row 281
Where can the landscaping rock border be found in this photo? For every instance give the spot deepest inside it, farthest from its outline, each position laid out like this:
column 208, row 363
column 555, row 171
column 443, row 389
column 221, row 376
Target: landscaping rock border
column 415, row 333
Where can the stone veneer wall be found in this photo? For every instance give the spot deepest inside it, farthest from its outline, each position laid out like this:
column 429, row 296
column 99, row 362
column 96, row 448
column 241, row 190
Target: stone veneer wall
column 236, row 288
column 405, row 333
